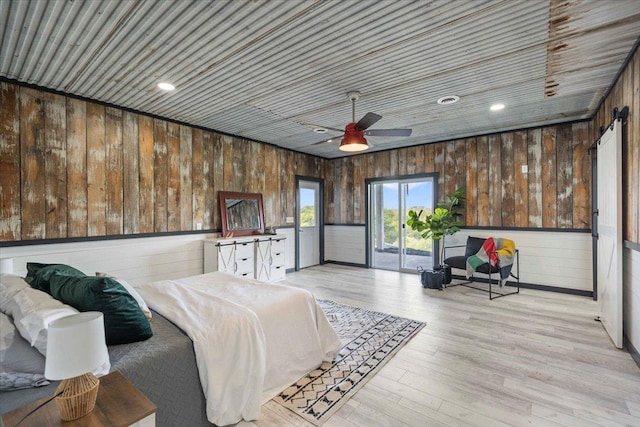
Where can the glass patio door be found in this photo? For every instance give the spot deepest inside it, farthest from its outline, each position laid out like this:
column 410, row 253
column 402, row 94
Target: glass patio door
column 393, row 245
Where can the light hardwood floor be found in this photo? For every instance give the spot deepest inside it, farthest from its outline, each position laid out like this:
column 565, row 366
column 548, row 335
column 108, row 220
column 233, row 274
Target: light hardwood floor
column 533, row 359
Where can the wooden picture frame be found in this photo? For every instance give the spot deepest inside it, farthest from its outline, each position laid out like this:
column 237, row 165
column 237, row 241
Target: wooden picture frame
column 241, row 213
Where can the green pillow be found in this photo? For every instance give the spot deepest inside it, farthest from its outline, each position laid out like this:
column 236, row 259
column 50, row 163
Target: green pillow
column 38, row 275
column 124, row 321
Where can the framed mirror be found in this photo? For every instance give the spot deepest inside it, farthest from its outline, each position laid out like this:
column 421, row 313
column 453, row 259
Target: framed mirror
column 241, row 213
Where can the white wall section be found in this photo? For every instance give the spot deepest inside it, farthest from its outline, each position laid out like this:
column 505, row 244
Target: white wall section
column 345, row 243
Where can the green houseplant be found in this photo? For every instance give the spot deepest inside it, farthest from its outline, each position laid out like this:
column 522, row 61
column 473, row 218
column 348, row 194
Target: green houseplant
column 444, row 221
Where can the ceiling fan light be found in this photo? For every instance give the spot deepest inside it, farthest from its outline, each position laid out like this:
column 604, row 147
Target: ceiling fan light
column 353, row 142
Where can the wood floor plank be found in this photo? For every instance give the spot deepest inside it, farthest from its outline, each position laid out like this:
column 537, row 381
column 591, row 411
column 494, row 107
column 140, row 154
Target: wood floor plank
column 537, row 358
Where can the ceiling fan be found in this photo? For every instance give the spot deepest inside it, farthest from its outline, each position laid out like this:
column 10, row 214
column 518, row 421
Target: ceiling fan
column 354, row 132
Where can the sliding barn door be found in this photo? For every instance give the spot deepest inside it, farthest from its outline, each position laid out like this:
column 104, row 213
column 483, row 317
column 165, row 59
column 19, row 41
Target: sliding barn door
column 609, row 229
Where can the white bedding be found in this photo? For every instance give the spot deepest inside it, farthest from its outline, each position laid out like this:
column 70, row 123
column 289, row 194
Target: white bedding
column 251, row 339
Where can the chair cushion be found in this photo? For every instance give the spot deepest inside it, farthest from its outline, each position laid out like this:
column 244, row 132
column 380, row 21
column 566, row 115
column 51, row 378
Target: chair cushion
column 484, row 268
column 474, row 244
column 459, row 261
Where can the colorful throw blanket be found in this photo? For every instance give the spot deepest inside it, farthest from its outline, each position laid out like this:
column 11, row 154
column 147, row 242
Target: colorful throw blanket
column 497, row 252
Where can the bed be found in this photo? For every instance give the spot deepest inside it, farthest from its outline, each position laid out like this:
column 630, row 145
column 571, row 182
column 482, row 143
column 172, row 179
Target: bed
column 224, row 346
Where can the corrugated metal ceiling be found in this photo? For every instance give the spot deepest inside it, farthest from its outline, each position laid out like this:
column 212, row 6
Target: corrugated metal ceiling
column 268, row 70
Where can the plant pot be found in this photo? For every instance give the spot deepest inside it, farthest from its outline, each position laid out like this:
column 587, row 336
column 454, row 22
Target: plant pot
column 447, row 272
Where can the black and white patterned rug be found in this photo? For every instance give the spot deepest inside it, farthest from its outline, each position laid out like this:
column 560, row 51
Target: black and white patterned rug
column 369, row 339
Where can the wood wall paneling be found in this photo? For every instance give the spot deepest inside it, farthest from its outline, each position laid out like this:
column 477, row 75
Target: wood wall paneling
column 208, row 153
column 167, row 176
column 130, row 173
column 581, row 176
column 96, row 170
column 520, row 182
column 430, row 158
column 272, row 185
column 173, row 185
column 482, row 145
column 10, row 163
column 460, row 163
column 449, row 169
column 338, row 191
column 439, row 166
column 495, row 181
column 329, row 191
column 55, row 139
column 358, row 189
column 217, row 179
column 146, row 166
column 471, row 183
column 76, row 168
column 548, row 177
column 564, row 177
column 197, row 178
column 32, row 163
column 160, row 174
column 114, row 171
column 186, row 198
column 508, row 173
column 534, row 147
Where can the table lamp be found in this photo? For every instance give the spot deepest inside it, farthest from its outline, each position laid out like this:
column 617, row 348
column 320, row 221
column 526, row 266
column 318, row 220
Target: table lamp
column 76, row 347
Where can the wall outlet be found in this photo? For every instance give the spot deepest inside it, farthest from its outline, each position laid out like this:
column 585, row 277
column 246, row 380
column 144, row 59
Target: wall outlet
column 524, row 168
column 199, row 226
column 289, row 220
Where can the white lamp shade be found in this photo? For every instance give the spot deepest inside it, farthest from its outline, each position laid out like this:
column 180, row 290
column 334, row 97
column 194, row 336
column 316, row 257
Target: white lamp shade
column 75, row 346
column 6, row 265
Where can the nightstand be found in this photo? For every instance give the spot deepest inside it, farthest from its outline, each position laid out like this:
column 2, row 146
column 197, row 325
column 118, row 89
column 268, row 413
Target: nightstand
column 119, row 404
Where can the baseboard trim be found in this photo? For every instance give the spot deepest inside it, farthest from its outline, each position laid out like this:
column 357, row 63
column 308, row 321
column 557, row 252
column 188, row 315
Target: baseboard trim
column 535, row 286
column 348, row 264
column 635, row 355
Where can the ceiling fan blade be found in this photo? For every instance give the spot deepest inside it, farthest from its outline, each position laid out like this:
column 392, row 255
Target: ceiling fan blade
column 388, row 132
column 368, row 120
column 325, row 141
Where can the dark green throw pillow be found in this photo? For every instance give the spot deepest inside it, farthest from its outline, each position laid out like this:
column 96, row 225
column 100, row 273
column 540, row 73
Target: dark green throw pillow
column 38, row 275
column 124, row 321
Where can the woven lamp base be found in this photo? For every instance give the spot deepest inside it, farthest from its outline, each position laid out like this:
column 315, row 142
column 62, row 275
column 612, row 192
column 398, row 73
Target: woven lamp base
column 78, row 396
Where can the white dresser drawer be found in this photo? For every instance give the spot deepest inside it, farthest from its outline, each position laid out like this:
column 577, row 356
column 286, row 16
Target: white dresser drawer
column 244, row 267
column 277, row 246
column 244, row 250
column 278, row 273
column 277, row 259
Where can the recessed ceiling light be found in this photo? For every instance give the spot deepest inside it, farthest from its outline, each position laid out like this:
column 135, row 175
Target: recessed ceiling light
column 166, row 86
column 446, row 100
column 320, row 130
column 496, row 107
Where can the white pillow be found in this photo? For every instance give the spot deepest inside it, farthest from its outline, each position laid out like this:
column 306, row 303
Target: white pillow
column 143, row 305
column 10, row 284
column 16, row 355
column 32, row 311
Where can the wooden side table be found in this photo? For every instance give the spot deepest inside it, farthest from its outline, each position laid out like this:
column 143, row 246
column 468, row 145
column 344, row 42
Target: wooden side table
column 119, row 404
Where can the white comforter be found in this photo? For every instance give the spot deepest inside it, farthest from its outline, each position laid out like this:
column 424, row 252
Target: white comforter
column 251, row 339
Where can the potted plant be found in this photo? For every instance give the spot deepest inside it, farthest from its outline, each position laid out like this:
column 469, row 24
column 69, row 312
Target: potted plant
column 444, row 221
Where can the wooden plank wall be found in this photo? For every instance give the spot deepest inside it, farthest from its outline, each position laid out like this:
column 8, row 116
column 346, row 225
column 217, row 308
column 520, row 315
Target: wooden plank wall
column 626, row 92
column 71, row 168
column 555, row 193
